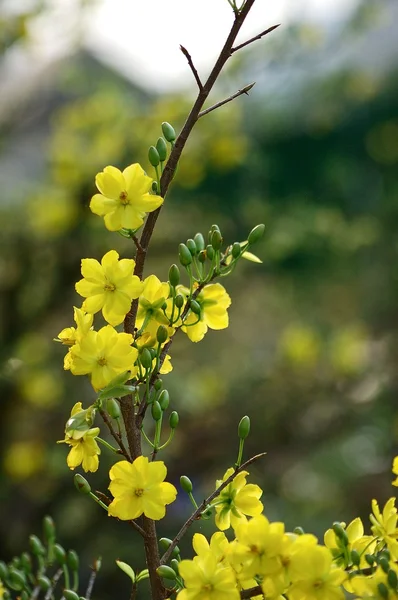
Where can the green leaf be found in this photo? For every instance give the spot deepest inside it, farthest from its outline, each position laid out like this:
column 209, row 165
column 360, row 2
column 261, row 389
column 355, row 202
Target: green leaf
column 251, row 257
column 143, row 575
column 127, row 569
column 118, row 391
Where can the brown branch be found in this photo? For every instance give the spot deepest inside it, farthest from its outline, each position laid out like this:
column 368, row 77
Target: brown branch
column 115, row 434
column 203, row 506
column 244, row 90
column 192, row 66
column 255, row 38
column 136, row 242
column 250, row 592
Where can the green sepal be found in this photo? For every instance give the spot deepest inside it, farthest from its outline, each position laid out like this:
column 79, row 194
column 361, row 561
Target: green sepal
column 118, row 391
column 127, row 569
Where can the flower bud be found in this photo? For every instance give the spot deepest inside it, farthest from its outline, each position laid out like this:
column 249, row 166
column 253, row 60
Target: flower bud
column 370, row 559
column 154, row 187
column 192, row 246
column 199, row 241
column 195, row 307
column 153, row 156
column 70, row 595
column 174, row 562
column 174, row 275
column 341, row 533
column 162, row 334
column 36, row 546
column 164, row 399
column 355, row 557
column 184, row 255
column 210, row 252
column 44, row 583
column 113, row 408
column 156, row 411
column 16, row 579
column 214, row 227
column 383, row 562
column 216, row 239
column 383, row 590
column 60, row 554
column 174, row 419
column 256, row 234
column 168, row 132
column 202, row 256
column 298, row 530
column 26, row 562
column 158, row 384
column 244, row 428
column 165, row 543
column 81, row 484
column 165, row 571
column 3, row 570
column 179, row 301
column 146, row 358
column 72, row 560
column 186, row 484
column 152, row 352
column 48, row 528
column 24, row 595
column 392, row 579
column 161, row 147
column 236, row 249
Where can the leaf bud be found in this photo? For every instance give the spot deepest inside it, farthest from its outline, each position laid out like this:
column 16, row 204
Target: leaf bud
column 60, row 554
column 199, row 241
column 179, row 301
column 392, row 579
column 195, row 307
column 72, row 560
column 162, row 334
column 164, row 399
column 165, row 543
column 383, row 562
column 202, row 256
column 153, row 156
column 174, row 275
column 146, row 358
column 81, row 484
column 70, row 595
column 256, row 233
column 216, row 239
column 341, row 533
column 161, row 147
column 355, row 557
column 113, row 408
column 156, row 411
column 168, row 132
column 244, row 427
column 186, row 484
column 192, row 246
column 370, row 559
column 16, row 579
column 166, row 571
column 184, row 255
column 210, row 252
column 36, row 546
column 173, row 420
column 236, row 249
column 44, row 583
column 298, row 530
column 174, row 564
column 3, row 570
column 158, row 384
column 383, row 590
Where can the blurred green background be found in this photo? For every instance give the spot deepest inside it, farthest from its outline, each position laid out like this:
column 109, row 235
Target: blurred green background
column 312, row 347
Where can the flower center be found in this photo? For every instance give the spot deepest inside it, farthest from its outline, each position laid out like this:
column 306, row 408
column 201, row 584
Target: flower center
column 109, row 287
column 102, row 361
column 207, row 587
column 318, row 584
column 139, row 492
column 123, row 197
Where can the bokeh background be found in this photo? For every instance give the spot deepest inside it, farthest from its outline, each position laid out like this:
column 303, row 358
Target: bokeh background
column 312, row 347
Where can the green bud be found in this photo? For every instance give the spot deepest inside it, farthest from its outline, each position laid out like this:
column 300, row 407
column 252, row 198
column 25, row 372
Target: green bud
column 16, row 579
column 3, row 570
column 206, row 514
column 298, row 530
column 165, row 571
column 216, row 239
column 24, row 595
column 199, row 241
column 236, row 249
column 70, row 595
column 73, row 560
column 214, row 227
column 179, row 301
column 370, row 559
column 36, row 546
column 44, row 583
column 153, row 156
column 256, row 234
column 186, row 484
column 244, row 428
column 184, row 255
column 192, row 246
column 174, row 564
column 81, row 421
column 210, row 252
column 165, row 543
column 48, row 528
column 202, row 256
column 26, row 562
column 152, row 352
column 164, row 399
column 154, row 187
column 156, row 411
column 113, row 408
column 392, row 579
column 176, row 553
column 60, row 554
column 174, row 275
column 173, row 420
column 385, row 565
column 355, row 557
column 383, row 590
column 161, row 147
column 195, row 307
column 146, row 358
column 341, row 533
column 162, row 334
column 385, row 553
column 158, row 384
column 168, row 132
column 81, row 484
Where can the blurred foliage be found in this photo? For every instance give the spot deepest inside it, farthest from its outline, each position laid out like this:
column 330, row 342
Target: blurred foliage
column 312, row 348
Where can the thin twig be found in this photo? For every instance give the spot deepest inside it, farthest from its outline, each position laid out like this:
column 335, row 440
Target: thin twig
column 251, row 592
column 192, row 66
column 90, row 584
column 244, row 90
column 115, row 434
column 136, row 242
column 255, row 38
column 203, row 506
column 54, row 582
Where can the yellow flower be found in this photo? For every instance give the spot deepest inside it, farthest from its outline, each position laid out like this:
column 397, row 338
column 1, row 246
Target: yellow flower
column 385, row 525
column 218, row 545
column 70, row 335
column 369, row 586
column 313, row 575
column 363, row 544
column 139, row 488
column 213, row 301
column 84, row 448
column 236, row 500
column 109, row 286
column 395, row 470
column 207, row 579
column 124, row 197
column 150, row 314
column 103, row 354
